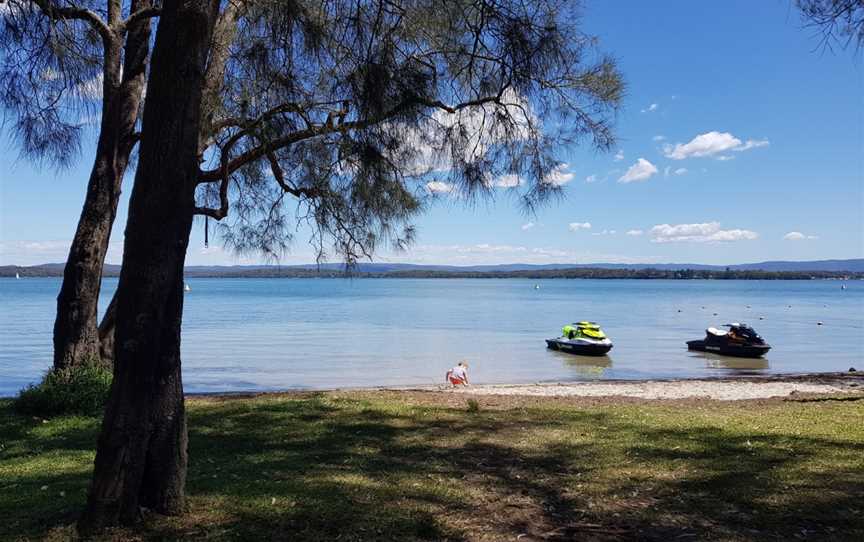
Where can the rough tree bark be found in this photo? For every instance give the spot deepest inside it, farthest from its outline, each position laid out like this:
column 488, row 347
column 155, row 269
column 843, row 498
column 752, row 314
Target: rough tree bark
column 141, row 454
column 76, row 338
column 223, row 35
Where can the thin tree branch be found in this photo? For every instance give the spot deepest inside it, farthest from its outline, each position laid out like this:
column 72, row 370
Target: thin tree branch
column 222, row 211
column 279, row 175
column 82, row 14
column 139, row 15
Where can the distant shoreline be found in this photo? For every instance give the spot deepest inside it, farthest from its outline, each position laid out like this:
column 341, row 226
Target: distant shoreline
column 649, row 274
column 849, row 269
column 577, row 273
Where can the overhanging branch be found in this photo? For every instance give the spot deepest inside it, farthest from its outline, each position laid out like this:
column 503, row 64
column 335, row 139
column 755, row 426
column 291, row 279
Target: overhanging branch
column 54, row 11
column 326, row 129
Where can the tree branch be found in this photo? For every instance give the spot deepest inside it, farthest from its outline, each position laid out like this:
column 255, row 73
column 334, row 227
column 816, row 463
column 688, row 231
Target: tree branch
column 222, row 211
column 82, row 14
column 279, row 175
column 327, row 128
column 144, row 13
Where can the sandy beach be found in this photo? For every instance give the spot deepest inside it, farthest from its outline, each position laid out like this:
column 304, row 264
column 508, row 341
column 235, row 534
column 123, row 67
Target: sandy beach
column 729, row 389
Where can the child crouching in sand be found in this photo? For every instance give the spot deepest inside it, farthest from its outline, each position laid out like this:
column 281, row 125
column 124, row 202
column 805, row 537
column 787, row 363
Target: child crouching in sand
column 458, row 376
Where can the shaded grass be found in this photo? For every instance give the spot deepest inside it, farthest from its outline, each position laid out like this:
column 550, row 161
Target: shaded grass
column 380, row 466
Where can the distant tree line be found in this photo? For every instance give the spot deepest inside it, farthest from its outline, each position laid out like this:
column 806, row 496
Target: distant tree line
column 602, row 273
column 564, row 273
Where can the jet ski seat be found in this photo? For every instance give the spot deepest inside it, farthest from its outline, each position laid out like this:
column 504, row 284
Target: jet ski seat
column 717, row 332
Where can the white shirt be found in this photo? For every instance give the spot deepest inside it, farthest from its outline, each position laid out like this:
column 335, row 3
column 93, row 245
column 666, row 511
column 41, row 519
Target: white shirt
column 459, row 372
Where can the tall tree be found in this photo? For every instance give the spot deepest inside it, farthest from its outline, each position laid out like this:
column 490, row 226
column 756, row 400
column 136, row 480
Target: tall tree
column 341, row 114
column 224, row 34
column 63, row 62
column 141, row 458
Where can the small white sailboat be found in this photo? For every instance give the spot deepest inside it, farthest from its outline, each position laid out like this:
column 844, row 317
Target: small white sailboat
column 536, row 286
column 186, row 287
column 17, row 276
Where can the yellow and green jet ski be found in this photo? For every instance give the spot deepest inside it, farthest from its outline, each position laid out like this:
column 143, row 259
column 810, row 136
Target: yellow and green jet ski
column 583, row 338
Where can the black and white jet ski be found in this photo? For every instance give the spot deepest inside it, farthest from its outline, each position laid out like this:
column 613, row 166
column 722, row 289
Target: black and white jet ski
column 583, row 338
column 738, row 340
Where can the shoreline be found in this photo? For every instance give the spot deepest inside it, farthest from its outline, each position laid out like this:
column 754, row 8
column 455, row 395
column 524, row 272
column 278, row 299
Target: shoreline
column 722, row 388
column 811, row 383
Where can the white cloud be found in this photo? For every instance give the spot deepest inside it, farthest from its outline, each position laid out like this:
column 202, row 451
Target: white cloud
column 18, row 8
column 559, row 176
column 90, row 89
column 658, row 138
column 798, row 236
column 576, row 226
column 439, row 187
column 710, row 144
column 651, row 108
column 605, row 232
column 753, row 144
column 428, row 139
column 527, row 226
column 640, row 171
column 681, row 171
column 725, row 157
column 591, row 179
column 486, row 253
column 49, row 74
column 706, row 232
column 619, row 156
column 634, row 233
column 29, row 252
column 507, row 181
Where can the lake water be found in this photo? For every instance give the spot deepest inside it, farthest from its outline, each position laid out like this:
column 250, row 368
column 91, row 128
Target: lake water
column 267, row 334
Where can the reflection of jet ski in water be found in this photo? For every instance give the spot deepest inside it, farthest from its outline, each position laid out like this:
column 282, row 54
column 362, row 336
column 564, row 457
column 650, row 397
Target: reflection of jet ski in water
column 585, row 338
column 740, row 340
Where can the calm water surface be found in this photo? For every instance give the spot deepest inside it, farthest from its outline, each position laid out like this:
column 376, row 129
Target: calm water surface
column 264, row 334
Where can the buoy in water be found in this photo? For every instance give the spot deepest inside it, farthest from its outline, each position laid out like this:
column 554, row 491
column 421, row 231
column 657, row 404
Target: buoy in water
column 818, row 323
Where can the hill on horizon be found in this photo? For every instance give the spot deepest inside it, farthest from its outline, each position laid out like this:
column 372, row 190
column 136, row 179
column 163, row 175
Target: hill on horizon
column 855, row 265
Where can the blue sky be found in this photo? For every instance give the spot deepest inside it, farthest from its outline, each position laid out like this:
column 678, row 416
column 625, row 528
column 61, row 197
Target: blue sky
column 742, row 140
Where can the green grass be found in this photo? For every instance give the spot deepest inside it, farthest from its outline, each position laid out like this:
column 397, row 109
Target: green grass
column 401, row 467
column 80, row 389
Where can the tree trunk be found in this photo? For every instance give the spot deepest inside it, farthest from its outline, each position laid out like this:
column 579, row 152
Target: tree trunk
column 106, row 332
column 76, row 338
column 223, row 35
column 141, row 454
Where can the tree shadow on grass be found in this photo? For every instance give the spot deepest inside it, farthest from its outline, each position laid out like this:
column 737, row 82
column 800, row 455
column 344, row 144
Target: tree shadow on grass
column 720, row 484
column 366, row 474
column 325, row 469
column 44, row 470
